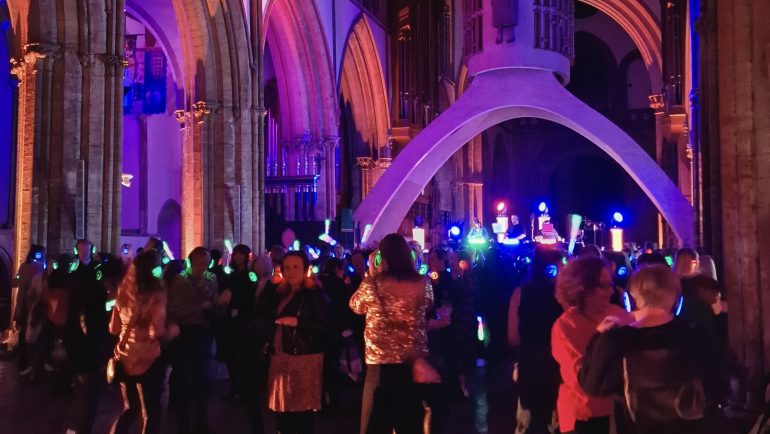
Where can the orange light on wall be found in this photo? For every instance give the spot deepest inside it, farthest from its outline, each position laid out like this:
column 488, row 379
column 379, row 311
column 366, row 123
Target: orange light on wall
column 616, row 235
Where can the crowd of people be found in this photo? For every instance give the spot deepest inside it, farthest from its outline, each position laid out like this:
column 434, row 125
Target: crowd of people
column 598, row 339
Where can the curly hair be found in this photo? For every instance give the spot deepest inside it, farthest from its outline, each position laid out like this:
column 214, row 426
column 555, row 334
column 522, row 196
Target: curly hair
column 577, row 280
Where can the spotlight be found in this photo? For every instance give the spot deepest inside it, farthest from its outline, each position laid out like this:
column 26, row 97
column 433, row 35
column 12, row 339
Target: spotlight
column 617, row 217
column 542, row 207
column 454, row 231
column 501, row 207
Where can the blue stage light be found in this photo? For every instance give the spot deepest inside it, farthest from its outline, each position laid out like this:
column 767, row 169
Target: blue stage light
column 454, row 231
column 543, row 207
column 617, row 217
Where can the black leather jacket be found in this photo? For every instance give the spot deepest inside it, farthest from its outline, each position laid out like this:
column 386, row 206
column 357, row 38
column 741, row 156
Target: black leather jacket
column 310, row 306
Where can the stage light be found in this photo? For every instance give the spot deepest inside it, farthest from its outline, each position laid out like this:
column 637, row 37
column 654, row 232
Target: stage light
column 365, row 236
column 616, row 235
column 617, row 217
column 454, row 231
column 501, row 207
column 418, row 235
column 542, row 207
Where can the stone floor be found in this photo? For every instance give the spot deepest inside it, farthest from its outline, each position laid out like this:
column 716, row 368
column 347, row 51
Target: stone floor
column 40, row 407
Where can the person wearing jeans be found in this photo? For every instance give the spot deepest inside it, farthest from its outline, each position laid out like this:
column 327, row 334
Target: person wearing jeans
column 395, row 299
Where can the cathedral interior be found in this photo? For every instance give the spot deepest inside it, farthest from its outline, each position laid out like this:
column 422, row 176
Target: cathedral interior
column 205, row 121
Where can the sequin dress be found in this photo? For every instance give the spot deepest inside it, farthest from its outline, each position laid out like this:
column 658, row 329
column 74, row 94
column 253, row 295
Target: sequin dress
column 396, row 323
column 294, row 381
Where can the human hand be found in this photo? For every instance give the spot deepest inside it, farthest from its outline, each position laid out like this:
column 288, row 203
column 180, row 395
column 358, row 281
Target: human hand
column 172, row 331
column 610, row 323
column 289, row 321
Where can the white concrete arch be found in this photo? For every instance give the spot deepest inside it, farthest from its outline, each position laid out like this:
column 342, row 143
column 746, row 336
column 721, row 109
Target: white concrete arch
column 497, row 96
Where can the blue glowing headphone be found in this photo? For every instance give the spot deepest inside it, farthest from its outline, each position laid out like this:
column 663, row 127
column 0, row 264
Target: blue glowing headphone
column 551, row 271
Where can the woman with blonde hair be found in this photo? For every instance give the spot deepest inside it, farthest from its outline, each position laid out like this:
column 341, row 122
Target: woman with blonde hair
column 583, row 288
column 139, row 320
column 297, row 310
column 657, row 361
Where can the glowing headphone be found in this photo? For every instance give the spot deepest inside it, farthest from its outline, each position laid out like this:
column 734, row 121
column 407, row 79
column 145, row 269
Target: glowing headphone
column 551, row 270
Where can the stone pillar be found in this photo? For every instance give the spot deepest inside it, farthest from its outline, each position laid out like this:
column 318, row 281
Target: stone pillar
column 365, row 165
column 194, row 138
column 744, row 161
column 330, row 166
column 34, row 72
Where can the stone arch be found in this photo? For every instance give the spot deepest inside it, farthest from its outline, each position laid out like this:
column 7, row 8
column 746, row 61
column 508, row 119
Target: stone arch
column 303, row 68
column 488, row 102
column 362, row 85
column 642, row 26
column 170, row 226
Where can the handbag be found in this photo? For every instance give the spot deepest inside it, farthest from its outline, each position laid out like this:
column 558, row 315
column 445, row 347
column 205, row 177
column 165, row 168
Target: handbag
column 422, row 371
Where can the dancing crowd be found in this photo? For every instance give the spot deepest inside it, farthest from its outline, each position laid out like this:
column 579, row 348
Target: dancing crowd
column 600, row 342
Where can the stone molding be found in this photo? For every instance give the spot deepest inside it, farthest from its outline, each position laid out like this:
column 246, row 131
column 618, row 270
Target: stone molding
column 657, row 102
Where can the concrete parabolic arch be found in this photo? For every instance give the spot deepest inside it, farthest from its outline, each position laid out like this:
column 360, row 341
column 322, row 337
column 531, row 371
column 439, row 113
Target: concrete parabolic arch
column 497, row 96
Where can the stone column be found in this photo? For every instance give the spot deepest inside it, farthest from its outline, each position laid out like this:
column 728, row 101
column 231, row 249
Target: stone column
column 194, row 137
column 34, row 72
column 330, row 165
column 744, row 161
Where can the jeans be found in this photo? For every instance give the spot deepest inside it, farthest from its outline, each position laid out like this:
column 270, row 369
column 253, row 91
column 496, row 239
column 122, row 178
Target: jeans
column 141, row 400
column 191, row 356
column 391, row 401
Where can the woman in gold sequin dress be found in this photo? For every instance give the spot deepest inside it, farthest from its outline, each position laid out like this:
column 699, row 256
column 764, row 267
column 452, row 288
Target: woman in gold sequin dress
column 299, row 309
column 395, row 299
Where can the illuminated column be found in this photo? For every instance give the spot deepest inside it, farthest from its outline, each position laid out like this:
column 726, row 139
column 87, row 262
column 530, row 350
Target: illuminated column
column 34, row 73
column 365, row 165
column 194, row 133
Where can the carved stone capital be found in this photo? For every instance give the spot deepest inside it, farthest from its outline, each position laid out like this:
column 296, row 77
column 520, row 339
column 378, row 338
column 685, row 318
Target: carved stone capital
column 86, row 60
column 17, row 67
column 202, row 109
column 384, row 163
column 182, row 116
column 331, row 142
column 113, row 60
column 657, row 102
column 365, row 163
column 41, row 50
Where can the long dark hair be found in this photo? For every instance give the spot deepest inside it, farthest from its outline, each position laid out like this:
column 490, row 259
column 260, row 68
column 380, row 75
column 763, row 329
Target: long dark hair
column 244, row 250
column 398, row 258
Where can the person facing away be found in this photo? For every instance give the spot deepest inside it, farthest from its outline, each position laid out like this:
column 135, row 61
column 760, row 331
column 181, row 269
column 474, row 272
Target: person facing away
column 532, row 312
column 583, row 288
column 395, row 300
column 139, row 321
column 656, row 361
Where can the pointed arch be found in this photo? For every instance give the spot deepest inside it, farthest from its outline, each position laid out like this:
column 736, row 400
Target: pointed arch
column 643, row 29
column 362, row 85
column 303, row 68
